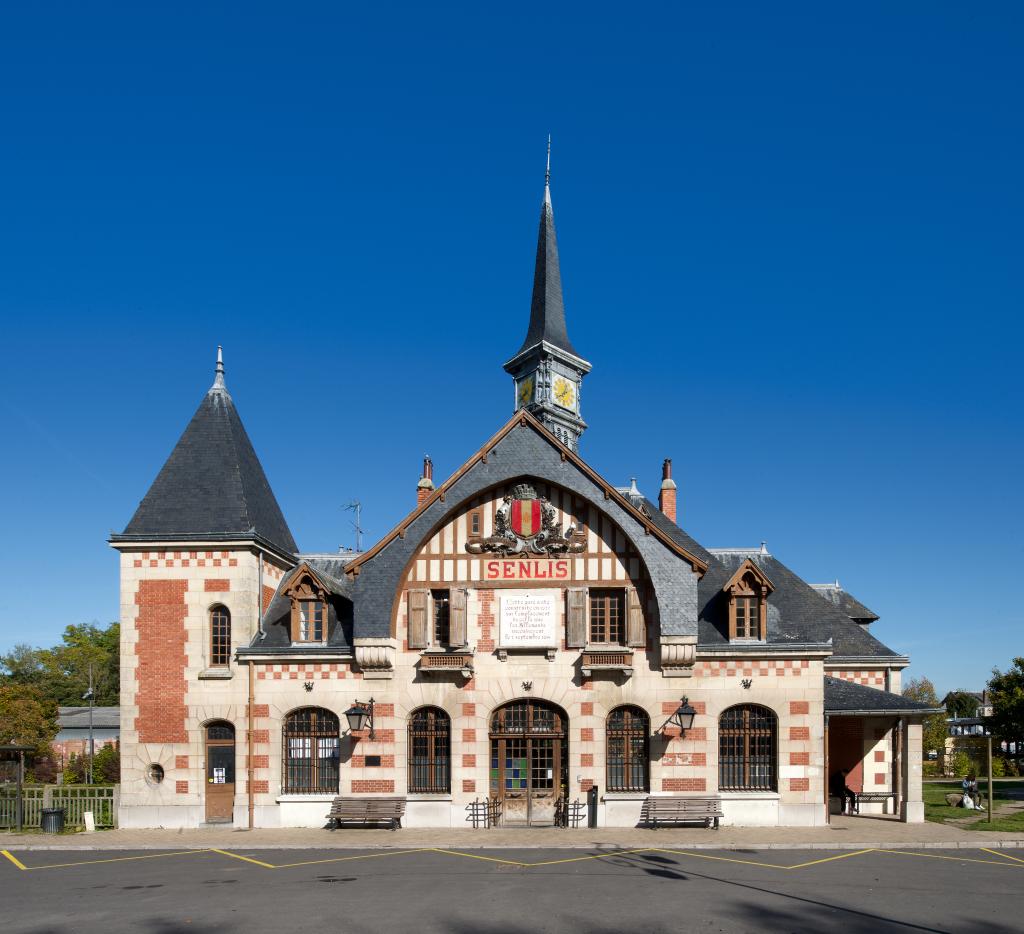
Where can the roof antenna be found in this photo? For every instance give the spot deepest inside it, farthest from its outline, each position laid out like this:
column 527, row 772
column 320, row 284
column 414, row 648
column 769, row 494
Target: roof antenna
column 218, row 380
column 357, row 508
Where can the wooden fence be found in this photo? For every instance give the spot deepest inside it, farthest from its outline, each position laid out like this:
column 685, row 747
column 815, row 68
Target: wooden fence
column 102, row 800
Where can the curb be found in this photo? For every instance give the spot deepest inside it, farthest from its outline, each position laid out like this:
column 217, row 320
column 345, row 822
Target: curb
column 610, row 847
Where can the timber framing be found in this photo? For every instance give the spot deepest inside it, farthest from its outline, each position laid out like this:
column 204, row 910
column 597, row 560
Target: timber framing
column 524, row 419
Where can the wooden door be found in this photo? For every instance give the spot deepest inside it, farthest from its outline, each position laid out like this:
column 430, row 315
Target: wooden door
column 529, row 750
column 220, row 772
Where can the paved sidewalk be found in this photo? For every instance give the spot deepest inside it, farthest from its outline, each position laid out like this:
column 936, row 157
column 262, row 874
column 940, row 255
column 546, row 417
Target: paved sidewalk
column 844, row 833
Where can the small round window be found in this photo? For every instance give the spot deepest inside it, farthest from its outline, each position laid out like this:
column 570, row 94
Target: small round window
column 155, row 774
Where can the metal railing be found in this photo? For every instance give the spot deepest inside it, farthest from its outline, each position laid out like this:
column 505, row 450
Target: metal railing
column 102, row 800
column 484, row 814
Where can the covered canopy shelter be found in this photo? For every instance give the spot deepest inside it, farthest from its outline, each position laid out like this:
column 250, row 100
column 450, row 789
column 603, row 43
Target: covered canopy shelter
column 13, row 751
column 875, row 736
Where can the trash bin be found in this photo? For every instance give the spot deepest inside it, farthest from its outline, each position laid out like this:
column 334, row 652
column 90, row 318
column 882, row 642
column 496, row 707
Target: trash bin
column 52, row 820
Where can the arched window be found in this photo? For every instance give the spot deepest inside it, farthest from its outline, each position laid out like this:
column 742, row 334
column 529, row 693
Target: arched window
column 627, row 731
column 220, row 637
column 430, row 752
column 747, row 743
column 310, row 741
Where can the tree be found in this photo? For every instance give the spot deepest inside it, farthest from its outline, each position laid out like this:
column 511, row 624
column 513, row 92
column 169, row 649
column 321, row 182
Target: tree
column 106, row 765
column 961, row 704
column 933, row 729
column 1006, row 692
column 27, row 718
column 61, row 673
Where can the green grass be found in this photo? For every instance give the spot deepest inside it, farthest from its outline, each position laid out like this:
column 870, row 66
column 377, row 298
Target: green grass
column 936, row 809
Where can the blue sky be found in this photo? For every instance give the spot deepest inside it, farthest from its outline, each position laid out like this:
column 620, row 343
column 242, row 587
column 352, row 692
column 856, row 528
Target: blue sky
column 791, row 246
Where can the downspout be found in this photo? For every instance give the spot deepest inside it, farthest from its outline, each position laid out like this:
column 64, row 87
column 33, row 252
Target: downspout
column 898, row 763
column 259, row 599
column 250, row 770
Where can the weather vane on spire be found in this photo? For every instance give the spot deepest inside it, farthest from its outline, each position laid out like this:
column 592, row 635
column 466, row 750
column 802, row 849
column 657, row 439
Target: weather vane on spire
column 547, row 171
column 218, row 378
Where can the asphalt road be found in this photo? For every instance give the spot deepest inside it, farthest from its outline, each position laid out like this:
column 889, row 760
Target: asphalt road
column 492, row 892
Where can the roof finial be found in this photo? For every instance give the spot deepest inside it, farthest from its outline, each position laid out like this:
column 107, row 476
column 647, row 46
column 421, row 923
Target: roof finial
column 218, row 380
column 547, row 175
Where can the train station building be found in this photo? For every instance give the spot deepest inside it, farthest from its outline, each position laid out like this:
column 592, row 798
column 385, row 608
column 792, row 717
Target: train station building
column 528, row 632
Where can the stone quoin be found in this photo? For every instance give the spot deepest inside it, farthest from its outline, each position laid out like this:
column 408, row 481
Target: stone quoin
column 526, row 633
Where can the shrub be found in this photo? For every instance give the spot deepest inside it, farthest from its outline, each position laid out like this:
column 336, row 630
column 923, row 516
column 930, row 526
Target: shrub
column 959, row 764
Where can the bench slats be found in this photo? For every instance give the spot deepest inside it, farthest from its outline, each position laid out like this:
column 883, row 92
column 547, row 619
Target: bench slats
column 677, row 810
column 367, row 811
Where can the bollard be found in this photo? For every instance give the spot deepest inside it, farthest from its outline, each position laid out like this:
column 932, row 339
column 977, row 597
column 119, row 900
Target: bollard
column 592, row 806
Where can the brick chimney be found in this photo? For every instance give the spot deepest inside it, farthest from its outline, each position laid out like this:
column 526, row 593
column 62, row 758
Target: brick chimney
column 667, row 495
column 425, row 488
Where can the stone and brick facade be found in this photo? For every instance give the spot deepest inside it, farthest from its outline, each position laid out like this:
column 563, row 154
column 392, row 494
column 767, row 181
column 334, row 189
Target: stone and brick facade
column 527, row 633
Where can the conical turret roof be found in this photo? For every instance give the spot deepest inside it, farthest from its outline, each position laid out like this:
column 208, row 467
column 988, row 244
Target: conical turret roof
column 212, row 486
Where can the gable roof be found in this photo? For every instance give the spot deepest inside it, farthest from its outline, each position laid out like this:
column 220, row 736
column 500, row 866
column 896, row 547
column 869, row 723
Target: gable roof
column 523, row 418
column 212, row 487
column 77, row 718
column 849, row 699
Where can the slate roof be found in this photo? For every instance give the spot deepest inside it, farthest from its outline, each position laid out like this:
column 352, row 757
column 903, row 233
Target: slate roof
column 547, row 310
column 797, row 613
column 277, row 619
column 77, row 718
column 212, row 487
column 847, row 602
column 845, row 697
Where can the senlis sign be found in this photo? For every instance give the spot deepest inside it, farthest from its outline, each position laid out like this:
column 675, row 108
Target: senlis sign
column 527, row 570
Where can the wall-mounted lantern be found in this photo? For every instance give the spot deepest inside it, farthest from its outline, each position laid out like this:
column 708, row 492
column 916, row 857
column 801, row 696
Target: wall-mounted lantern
column 680, row 721
column 360, row 720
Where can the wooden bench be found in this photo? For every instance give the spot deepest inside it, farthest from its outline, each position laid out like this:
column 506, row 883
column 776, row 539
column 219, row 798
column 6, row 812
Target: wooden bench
column 871, row 796
column 677, row 810
column 367, row 811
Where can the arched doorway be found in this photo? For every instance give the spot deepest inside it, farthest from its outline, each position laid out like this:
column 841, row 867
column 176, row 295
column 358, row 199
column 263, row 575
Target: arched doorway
column 220, row 771
column 529, row 760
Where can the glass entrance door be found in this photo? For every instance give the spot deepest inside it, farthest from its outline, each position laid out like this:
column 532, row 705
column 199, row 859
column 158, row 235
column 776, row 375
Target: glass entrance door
column 529, row 761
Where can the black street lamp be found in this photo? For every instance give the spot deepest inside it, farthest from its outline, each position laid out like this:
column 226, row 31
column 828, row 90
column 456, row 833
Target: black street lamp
column 360, row 719
column 681, row 720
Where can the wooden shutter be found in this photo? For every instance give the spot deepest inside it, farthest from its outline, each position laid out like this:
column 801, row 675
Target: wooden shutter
column 636, row 630
column 418, row 619
column 457, row 617
column 576, row 618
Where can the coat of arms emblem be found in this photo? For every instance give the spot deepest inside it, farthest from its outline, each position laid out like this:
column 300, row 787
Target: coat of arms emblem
column 526, row 523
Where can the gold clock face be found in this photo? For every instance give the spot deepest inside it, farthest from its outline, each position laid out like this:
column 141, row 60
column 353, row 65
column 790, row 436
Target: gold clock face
column 565, row 393
column 526, row 391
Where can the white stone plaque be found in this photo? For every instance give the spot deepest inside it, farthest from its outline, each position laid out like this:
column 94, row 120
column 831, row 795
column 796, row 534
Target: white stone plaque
column 528, row 618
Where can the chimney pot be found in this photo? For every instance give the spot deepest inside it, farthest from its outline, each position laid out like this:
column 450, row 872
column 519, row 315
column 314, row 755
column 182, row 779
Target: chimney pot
column 425, row 488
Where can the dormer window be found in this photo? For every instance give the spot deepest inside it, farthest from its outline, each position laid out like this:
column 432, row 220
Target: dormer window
column 748, row 591
column 309, row 610
column 312, row 621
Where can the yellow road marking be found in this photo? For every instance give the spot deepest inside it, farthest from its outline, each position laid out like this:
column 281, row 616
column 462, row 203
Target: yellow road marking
column 577, row 859
column 342, row 859
column 722, row 859
column 245, row 859
column 13, row 859
column 116, row 859
column 1016, row 859
column 956, row 859
column 489, row 859
column 829, row 859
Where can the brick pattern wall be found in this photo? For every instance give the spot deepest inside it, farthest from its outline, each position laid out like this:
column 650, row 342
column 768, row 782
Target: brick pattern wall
column 872, row 678
column 749, row 668
column 485, row 620
column 308, row 671
column 372, row 786
column 160, row 674
column 185, row 559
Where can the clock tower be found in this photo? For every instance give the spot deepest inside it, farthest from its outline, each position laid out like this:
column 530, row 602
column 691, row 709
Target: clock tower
column 546, row 370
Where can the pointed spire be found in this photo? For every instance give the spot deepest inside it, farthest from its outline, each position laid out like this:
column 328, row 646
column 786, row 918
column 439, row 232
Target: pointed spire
column 218, row 379
column 547, row 311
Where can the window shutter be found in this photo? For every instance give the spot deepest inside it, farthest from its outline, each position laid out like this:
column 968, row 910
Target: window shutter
column 636, row 633
column 457, row 617
column 576, row 618
column 418, row 619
